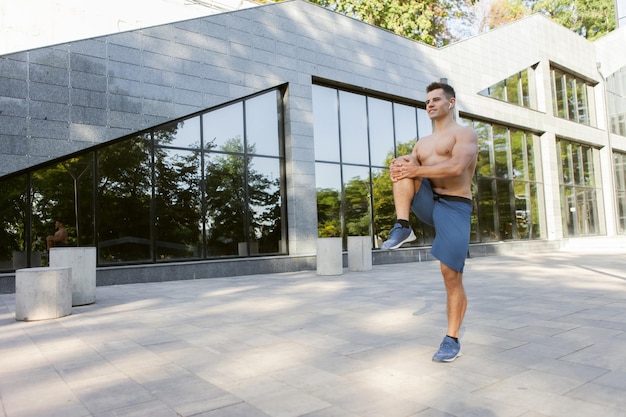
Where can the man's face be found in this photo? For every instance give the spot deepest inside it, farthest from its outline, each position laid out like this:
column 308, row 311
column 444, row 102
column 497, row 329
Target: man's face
column 437, row 104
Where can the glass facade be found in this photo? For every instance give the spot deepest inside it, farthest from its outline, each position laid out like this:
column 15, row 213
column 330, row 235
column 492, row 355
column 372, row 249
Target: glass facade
column 354, row 192
column 507, row 187
column 579, row 188
column 517, row 89
column 619, row 159
column 571, row 97
column 356, row 136
column 616, row 101
column 205, row 187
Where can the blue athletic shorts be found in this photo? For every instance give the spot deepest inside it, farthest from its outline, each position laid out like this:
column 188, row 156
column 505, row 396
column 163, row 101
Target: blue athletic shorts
column 451, row 219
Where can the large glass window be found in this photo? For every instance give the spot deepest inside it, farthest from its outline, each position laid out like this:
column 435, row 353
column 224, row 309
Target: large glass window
column 515, row 89
column 579, row 189
column 620, row 190
column 353, row 186
column 506, row 184
column 354, row 196
column 124, row 184
column 203, row 187
column 178, row 200
column 15, row 245
column 570, row 97
column 616, row 98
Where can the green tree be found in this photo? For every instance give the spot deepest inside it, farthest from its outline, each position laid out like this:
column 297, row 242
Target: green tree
column 501, row 12
column 589, row 18
column 425, row 21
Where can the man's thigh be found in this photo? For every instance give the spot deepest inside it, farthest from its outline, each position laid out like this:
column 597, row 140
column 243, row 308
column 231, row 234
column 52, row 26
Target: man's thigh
column 423, row 202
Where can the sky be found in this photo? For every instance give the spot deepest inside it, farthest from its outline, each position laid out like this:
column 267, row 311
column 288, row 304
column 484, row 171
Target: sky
column 29, row 24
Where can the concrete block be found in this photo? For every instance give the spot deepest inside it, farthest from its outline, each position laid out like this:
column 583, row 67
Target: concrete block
column 82, row 261
column 43, row 293
column 329, row 256
column 359, row 253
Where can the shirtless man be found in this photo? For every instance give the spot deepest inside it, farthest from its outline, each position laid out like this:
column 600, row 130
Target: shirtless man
column 435, row 181
column 60, row 236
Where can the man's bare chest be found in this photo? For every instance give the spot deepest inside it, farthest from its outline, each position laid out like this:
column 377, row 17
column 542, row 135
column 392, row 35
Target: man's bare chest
column 434, row 149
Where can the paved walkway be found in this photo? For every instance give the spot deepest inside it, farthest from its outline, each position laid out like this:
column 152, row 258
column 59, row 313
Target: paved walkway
column 544, row 336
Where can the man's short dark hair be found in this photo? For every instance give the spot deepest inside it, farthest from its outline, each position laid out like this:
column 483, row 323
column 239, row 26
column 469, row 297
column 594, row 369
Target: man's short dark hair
column 447, row 89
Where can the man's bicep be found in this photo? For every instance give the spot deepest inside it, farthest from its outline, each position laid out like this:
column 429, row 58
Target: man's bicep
column 465, row 152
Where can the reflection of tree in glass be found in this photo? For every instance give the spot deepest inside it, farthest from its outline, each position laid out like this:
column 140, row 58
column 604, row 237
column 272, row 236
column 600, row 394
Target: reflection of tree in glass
column 178, row 202
column 12, row 213
column 384, row 208
column 328, row 212
column 357, row 197
column 484, row 166
column 230, row 201
column 125, row 190
column 65, row 192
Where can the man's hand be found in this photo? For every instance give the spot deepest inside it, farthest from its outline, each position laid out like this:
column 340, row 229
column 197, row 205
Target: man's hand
column 402, row 167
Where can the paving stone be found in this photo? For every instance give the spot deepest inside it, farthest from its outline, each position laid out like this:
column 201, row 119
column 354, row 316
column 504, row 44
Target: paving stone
column 536, row 343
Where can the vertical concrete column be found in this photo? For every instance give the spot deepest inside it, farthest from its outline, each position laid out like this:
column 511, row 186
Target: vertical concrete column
column 329, row 256
column 82, row 260
column 43, row 293
column 553, row 221
column 359, row 253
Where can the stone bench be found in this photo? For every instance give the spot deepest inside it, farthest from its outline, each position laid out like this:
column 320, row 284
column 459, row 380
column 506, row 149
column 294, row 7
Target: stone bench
column 82, row 260
column 329, row 256
column 359, row 253
column 43, row 293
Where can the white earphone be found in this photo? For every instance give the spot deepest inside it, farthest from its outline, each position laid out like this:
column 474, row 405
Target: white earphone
column 450, row 106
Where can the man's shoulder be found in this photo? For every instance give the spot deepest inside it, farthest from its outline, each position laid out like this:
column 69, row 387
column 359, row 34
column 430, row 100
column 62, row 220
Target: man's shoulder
column 465, row 132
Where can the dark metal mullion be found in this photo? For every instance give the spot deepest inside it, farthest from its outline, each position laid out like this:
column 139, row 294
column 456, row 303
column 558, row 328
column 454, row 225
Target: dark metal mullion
column 203, row 194
column 246, row 208
column 371, row 183
column 28, row 219
column 342, row 202
column 96, row 205
column 280, row 109
column 153, row 208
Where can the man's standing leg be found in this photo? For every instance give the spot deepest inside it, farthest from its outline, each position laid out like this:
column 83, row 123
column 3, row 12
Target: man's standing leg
column 456, row 304
column 456, row 301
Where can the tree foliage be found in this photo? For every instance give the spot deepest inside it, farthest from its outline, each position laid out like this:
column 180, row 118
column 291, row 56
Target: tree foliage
column 438, row 23
column 501, row 12
column 424, row 21
column 589, row 18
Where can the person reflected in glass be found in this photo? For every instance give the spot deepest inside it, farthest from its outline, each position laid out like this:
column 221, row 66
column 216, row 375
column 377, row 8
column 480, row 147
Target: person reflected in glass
column 59, row 238
column 435, row 182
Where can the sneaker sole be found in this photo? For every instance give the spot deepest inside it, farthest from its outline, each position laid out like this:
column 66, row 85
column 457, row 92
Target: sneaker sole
column 449, row 360
column 410, row 238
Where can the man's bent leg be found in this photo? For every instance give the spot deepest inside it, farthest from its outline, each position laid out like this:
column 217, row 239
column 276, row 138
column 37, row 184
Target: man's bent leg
column 403, row 192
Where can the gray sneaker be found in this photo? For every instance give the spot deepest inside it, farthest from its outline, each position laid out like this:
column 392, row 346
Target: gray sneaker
column 398, row 236
column 448, row 351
